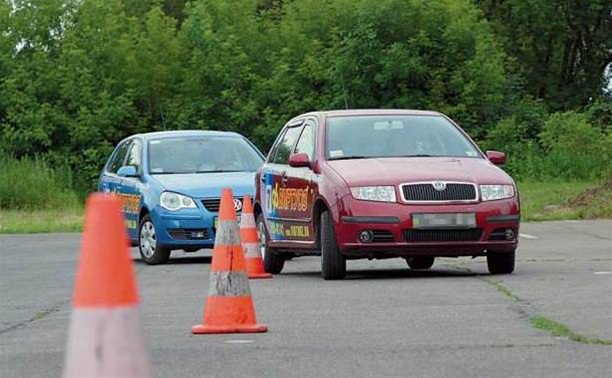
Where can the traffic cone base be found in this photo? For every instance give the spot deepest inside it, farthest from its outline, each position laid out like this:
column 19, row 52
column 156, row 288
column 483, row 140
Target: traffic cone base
column 255, row 268
column 260, row 275
column 210, row 330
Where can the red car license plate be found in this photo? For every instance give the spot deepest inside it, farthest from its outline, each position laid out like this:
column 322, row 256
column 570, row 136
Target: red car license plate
column 444, row 220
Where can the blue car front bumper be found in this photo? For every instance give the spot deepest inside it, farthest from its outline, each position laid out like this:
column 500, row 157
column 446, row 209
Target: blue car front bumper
column 189, row 230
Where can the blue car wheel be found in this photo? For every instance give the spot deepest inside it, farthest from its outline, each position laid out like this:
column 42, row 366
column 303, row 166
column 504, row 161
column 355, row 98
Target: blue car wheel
column 150, row 251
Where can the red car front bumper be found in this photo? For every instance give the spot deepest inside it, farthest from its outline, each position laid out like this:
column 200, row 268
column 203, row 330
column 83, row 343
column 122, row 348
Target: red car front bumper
column 497, row 229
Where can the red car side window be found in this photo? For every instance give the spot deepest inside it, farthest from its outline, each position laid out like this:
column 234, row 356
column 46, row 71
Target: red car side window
column 284, row 148
column 306, row 144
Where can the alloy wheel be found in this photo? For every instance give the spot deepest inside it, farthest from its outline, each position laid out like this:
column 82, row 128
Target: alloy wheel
column 148, row 241
column 261, row 230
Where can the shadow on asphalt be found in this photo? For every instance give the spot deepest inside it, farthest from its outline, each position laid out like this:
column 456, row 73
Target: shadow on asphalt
column 181, row 260
column 378, row 274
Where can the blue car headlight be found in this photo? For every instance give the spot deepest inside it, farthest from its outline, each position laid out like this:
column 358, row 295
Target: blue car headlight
column 174, row 201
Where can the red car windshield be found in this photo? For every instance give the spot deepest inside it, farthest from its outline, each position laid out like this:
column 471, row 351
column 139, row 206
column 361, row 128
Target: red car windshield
column 358, row 137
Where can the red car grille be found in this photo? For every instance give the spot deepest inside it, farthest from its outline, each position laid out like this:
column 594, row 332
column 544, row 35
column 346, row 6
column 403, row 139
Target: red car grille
column 418, row 235
column 452, row 192
column 382, row 236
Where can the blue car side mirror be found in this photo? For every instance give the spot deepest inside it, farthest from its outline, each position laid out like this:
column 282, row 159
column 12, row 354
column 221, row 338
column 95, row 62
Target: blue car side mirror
column 127, row 171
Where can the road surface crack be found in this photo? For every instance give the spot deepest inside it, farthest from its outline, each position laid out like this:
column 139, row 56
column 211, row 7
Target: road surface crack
column 42, row 314
column 527, row 310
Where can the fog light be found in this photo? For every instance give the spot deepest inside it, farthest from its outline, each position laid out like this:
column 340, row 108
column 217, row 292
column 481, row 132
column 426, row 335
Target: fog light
column 510, row 234
column 366, row 236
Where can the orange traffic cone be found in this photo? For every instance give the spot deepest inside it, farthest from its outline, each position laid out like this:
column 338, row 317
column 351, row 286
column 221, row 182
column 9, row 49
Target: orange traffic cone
column 105, row 336
column 250, row 242
column 229, row 307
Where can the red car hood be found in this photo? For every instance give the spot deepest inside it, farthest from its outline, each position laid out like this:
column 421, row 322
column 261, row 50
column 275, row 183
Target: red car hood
column 394, row 171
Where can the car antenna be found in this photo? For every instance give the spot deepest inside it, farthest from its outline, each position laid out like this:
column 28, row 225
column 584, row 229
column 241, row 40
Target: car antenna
column 343, row 91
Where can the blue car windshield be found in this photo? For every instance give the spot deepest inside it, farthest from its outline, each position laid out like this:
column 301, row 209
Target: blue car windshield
column 202, row 155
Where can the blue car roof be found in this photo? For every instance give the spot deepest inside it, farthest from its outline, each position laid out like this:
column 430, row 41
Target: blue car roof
column 185, row 133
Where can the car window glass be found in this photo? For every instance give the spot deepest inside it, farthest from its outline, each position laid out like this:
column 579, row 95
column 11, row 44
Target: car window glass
column 202, row 154
column 395, row 136
column 134, row 155
column 283, row 150
column 119, row 156
column 275, row 145
column 306, row 143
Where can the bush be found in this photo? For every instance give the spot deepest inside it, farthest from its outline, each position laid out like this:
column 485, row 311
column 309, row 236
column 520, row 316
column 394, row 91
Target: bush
column 565, row 146
column 575, row 148
column 571, row 132
column 600, row 114
column 31, row 184
column 526, row 122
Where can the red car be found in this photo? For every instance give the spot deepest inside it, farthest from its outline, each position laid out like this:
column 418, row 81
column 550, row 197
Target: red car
column 378, row 184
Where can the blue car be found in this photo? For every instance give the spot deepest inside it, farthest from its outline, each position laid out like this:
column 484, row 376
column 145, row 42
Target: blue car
column 170, row 184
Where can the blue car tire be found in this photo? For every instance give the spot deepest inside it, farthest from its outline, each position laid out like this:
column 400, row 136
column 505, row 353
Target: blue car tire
column 150, row 251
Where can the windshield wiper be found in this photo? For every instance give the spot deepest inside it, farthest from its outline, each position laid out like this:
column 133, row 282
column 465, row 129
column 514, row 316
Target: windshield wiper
column 380, row 157
column 351, row 157
column 417, row 155
column 219, row 171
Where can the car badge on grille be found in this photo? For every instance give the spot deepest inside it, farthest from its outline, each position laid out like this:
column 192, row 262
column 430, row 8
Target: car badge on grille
column 237, row 204
column 439, row 185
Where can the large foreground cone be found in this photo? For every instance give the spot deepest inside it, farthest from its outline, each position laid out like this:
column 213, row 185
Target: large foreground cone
column 105, row 336
column 250, row 242
column 229, row 307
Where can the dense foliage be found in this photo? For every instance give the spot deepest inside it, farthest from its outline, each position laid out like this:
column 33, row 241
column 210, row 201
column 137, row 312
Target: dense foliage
column 76, row 76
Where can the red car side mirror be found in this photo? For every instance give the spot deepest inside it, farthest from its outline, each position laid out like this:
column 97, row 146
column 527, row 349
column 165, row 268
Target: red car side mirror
column 496, row 157
column 299, row 160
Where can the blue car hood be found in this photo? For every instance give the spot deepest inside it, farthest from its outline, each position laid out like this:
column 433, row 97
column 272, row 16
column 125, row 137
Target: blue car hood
column 206, row 185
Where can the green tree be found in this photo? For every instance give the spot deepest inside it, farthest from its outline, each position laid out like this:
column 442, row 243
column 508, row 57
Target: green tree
column 560, row 47
column 405, row 54
column 77, row 76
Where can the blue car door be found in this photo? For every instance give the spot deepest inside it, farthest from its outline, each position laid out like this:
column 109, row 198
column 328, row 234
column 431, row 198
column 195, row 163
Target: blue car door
column 130, row 188
column 110, row 180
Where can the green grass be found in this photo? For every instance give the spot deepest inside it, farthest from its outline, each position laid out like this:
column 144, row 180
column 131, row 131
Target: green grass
column 24, row 222
column 559, row 330
column 31, row 184
column 34, row 197
column 501, row 288
column 565, row 200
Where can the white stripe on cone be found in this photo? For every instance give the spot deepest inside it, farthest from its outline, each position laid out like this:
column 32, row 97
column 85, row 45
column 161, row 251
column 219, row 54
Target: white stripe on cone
column 106, row 343
column 251, row 250
column 247, row 221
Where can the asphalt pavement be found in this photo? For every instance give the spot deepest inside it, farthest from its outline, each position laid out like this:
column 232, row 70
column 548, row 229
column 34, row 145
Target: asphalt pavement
column 384, row 320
